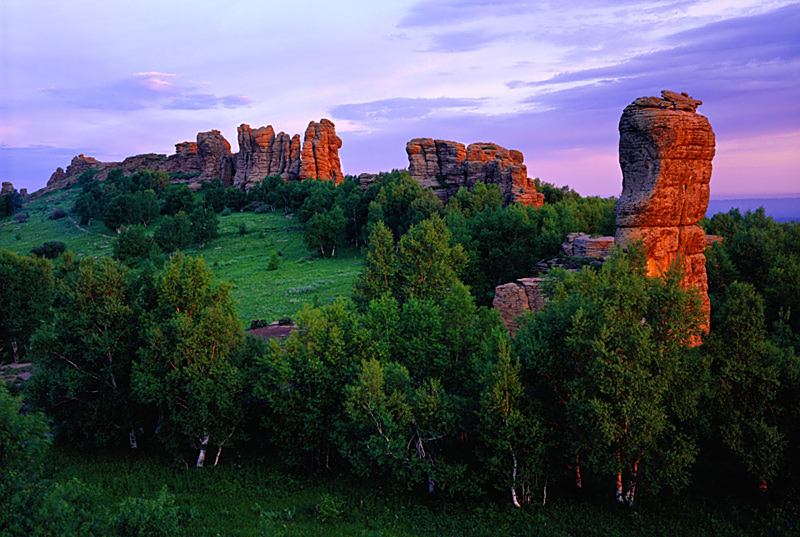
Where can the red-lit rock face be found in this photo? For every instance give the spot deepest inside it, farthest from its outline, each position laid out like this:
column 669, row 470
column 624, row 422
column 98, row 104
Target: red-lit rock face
column 445, row 166
column 261, row 154
column 665, row 151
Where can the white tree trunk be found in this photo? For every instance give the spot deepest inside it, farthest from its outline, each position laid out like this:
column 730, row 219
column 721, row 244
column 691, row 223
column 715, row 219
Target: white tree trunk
column 132, row 439
column 201, row 457
column 216, row 459
column 514, row 498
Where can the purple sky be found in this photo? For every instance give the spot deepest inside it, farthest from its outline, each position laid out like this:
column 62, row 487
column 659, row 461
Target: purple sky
column 113, row 79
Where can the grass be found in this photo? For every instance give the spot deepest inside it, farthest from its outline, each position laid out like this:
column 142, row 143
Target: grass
column 301, row 278
column 255, row 500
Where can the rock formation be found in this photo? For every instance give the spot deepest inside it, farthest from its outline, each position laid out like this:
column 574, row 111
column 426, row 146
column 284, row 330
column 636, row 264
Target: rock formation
column 665, row 152
column 6, row 188
column 261, row 153
column 515, row 298
column 320, row 156
column 445, row 166
column 583, row 245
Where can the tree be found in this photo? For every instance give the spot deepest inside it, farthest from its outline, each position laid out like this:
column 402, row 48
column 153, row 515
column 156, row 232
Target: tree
column 133, row 245
column 747, row 370
column 609, row 356
column 174, row 233
column 427, row 264
column 400, row 202
column 511, row 429
column 185, row 367
column 23, row 447
column 49, row 249
column 380, row 265
column 325, row 231
column 205, row 225
column 84, row 357
column 26, row 294
column 302, row 380
column 178, row 198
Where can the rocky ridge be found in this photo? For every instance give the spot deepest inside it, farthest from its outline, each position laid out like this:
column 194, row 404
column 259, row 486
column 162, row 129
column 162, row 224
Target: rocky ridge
column 444, row 166
column 261, row 153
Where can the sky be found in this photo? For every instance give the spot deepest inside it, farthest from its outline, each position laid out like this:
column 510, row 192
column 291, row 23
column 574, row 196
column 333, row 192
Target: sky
column 550, row 78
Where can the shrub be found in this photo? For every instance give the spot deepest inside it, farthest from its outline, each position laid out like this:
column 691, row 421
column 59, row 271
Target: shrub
column 226, row 212
column 258, row 323
column 139, row 517
column 133, row 243
column 49, row 250
column 69, row 508
column 330, row 508
column 21, row 217
column 57, row 214
column 274, row 261
column 242, row 229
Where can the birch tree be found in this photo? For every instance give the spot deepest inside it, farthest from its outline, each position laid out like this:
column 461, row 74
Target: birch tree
column 186, row 367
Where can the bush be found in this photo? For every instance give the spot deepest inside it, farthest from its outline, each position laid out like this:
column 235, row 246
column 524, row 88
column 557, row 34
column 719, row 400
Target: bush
column 226, row 212
column 24, row 442
column 133, row 244
column 174, row 232
column 274, row 262
column 242, row 229
column 57, row 214
column 159, row 517
column 49, row 250
column 258, row 323
column 70, row 508
column 21, row 218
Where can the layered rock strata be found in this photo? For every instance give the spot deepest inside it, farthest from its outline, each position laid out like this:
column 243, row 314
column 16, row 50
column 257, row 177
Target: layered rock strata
column 665, row 152
column 584, row 245
column 261, row 154
column 445, row 166
column 513, row 299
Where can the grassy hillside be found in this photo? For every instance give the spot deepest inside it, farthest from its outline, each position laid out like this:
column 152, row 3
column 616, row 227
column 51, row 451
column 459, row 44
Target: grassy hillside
column 301, row 278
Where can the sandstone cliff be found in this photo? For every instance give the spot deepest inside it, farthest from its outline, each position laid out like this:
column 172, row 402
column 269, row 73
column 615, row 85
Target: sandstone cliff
column 665, row 152
column 445, row 166
column 261, row 153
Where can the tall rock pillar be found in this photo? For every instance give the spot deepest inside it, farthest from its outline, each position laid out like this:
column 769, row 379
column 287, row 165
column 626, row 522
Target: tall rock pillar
column 665, row 152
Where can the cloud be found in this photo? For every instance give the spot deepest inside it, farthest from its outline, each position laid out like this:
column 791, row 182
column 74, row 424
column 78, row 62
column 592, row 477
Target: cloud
column 403, row 108
column 445, row 12
column 146, row 90
column 465, row 40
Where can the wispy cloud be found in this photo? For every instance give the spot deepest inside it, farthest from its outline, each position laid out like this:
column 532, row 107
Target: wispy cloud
column 401, row 108
column 146, row 89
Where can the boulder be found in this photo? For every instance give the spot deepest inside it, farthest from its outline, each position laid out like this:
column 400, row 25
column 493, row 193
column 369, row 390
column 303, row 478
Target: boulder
column 7, row 188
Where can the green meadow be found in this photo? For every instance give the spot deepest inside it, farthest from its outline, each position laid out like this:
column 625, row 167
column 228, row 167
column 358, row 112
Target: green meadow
column 302, row 277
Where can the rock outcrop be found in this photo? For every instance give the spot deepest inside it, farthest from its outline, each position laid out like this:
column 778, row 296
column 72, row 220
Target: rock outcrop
column 320, row 156
column 261, row 154
column 584, row 245
column 7, row 187
column 665, row 152
column 515, row 298
column 445, row 166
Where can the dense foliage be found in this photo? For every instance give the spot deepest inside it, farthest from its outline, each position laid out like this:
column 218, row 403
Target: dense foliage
column 413, row 383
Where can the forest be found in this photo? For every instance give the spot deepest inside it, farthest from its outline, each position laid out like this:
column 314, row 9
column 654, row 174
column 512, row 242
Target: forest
column 598, row 412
